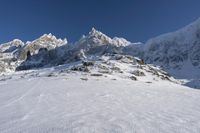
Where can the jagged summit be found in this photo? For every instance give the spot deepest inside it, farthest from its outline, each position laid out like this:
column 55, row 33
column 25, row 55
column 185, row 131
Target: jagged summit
column 94, row 32
column 51, row 38
column 47, row 36
column 47, row 41
column 11, row 46
column 96, row 38
column 15, row 42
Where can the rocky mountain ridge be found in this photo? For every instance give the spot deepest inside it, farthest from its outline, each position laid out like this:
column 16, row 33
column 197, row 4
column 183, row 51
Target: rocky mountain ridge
column 177, row 52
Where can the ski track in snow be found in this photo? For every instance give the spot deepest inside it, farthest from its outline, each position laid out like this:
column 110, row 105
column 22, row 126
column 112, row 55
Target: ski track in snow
column 69, row 104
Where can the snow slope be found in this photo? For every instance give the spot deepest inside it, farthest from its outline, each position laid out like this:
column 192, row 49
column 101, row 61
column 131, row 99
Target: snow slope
column 59, row 100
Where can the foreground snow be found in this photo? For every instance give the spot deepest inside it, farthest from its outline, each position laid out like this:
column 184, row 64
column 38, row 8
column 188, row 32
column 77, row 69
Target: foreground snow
column 77, row 102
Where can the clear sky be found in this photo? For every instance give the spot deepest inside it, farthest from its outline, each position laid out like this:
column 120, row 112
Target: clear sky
column 135, row 20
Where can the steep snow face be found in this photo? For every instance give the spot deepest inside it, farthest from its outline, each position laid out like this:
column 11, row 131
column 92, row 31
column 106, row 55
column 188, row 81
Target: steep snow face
column 47, row 41
column 187, row 34
column 177, row 49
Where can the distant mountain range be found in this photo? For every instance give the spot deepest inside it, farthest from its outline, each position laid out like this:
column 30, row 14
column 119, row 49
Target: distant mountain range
column 177, row 52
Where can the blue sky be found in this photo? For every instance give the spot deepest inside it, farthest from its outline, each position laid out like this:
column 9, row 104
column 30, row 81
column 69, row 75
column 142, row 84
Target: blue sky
column 135, row 20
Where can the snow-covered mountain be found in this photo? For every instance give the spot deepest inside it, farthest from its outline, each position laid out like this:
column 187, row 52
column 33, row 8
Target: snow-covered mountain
column 177, row 50
column 98, row 43
column 47, row 41
column 96, row 38
column 8, row 55
column 11, row 49
column 11, row 46
column 93, row 44
column 13, row 53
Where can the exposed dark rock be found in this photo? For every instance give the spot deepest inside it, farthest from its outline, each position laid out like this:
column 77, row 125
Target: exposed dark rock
column 133, row 78
column 85, row 79
column 105, row 71
column 138, row 73
column 88, row 63
column 28, row 55
column 96, row 74
column 80, row 68
column 149, row 82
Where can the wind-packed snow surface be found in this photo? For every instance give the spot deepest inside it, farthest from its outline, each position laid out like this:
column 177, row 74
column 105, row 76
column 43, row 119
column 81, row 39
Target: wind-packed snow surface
column 62, row 99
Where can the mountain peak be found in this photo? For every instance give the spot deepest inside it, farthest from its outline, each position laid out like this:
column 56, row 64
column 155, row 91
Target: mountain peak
column 48, row 36
column 97, row 38
column 14, row 42
column 47, row 41
column 95, row 33
column 12, row 46
column 17, row 40
column 51, row 39
column 93, row 30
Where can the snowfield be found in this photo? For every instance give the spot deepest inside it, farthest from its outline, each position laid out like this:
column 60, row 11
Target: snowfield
column 75, row 102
